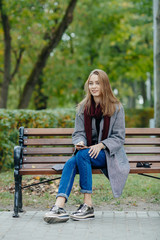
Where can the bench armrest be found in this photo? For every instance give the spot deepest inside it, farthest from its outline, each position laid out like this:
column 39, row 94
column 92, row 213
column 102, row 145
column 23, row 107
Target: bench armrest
column 17, row 157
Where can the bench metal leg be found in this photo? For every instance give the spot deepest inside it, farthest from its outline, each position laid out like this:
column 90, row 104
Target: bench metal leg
column 16, row 194
column 18, row 181
column 20, row 195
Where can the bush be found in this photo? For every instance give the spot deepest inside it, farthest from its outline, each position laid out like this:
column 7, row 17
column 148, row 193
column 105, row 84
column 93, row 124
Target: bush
column 138, row 117
column 11, row 120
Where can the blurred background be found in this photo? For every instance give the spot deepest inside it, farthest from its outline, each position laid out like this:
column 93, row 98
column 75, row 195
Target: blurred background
column 115, row 36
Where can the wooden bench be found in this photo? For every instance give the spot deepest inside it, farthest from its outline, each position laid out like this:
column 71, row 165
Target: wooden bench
column 42, row 148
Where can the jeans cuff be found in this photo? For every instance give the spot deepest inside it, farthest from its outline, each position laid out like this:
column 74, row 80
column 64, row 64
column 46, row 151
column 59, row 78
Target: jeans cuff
column 62, row 195
column 85, row 191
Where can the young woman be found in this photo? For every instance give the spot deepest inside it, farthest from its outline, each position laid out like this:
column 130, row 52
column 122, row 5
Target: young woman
column 98, row 137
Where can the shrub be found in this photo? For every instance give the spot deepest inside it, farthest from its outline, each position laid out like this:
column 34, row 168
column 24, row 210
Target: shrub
column 138, row 117
column 11, row 120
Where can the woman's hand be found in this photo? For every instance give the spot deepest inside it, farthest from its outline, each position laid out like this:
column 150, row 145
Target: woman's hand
column 80, row 145
column 95, row 149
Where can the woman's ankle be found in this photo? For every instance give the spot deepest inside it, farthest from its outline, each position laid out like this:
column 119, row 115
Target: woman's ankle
column 60, row 202
column 88, row 204
column 87, row 199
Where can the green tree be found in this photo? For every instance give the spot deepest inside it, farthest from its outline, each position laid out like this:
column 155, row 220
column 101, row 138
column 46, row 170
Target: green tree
column 7, row 75
column 51, row 39
column 115, row 36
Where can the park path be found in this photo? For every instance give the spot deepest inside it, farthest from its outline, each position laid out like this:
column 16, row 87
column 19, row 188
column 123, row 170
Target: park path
column 131, row 225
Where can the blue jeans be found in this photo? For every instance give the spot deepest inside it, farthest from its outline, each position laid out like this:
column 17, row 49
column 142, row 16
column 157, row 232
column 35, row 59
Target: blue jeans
column 80, row 163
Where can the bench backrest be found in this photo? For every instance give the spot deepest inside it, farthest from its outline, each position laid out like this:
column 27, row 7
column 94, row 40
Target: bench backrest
column 45, row 147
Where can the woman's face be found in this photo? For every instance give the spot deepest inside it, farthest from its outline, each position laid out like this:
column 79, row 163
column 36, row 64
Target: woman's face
column 94, row 86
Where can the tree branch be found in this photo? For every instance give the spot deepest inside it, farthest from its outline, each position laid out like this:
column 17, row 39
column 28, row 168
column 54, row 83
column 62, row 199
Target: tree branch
column 18, row 60
column 55, row 38
column 7, row 56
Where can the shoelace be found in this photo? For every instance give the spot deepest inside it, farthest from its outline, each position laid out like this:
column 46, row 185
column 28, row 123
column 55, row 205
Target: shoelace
column 57, row 209
column 53, row 207
column 82, row 207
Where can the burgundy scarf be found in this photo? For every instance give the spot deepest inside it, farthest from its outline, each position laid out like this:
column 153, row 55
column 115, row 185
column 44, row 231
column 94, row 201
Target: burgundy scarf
column 97, row 114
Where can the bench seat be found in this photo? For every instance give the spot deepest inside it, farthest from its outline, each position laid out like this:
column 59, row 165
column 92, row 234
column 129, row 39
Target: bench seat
column 45, row 147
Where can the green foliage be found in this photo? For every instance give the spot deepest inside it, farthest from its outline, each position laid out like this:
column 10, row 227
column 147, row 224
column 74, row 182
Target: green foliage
column 115, row 36
column 8, row 138
column 11, row 120
column 138, row 117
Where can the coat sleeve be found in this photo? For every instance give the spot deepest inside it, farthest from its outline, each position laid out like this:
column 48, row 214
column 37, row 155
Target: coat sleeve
column 79, row 133
column 116, row 138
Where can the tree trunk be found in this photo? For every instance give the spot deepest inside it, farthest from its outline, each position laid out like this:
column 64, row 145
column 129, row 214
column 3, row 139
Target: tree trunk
column 7, row 58
column 40, row 99
column 43, row 56
column 156, row 15
column 143, row 92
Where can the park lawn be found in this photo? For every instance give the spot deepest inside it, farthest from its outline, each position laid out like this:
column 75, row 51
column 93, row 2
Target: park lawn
column 137, row 188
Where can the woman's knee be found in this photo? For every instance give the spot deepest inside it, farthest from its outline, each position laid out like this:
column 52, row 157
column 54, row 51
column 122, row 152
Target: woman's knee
column 70, row 163
column 82, row 155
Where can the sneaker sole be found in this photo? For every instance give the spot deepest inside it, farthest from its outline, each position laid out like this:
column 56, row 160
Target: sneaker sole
column 56, row 219
column 81, row 218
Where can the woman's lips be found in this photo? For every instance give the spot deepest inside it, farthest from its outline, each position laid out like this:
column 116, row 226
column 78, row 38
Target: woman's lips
column 94, row 91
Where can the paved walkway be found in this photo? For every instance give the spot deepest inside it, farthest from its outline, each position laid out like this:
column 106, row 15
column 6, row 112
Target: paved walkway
column 107, row 225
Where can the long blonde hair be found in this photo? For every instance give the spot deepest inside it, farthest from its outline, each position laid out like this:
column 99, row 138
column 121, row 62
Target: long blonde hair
column 108, row 100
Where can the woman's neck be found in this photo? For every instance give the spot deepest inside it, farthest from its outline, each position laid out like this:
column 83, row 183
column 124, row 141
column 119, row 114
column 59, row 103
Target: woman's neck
column 96, row 100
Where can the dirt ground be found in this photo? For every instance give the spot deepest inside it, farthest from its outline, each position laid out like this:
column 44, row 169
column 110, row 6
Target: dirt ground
column 124, row 204
column 139, row 206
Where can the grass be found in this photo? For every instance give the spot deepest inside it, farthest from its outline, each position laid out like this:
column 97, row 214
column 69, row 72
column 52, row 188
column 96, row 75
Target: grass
column 137, row 188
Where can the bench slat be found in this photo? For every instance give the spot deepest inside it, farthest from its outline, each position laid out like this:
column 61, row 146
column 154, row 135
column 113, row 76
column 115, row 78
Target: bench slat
column 142, row 150
column 142, row 141
column 44, row 171
column 155, row 165
column 142, row 131
column 145, row 170
column 43, row 151
column 69, row 131
column 63, row 159
column 48, row 131
column 57, row 159
column 70, row 150
column 38, row 166
column 68, row 141
column 47, row 141
column 144, row 158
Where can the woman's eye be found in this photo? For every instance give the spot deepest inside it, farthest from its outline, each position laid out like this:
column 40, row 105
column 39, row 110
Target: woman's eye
column 91, row 83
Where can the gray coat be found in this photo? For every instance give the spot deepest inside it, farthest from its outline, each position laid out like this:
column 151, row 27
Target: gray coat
column 117, row 162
